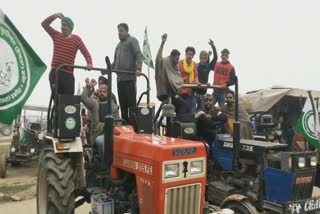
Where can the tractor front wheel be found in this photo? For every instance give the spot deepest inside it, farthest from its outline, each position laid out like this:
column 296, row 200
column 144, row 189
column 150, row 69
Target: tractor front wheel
column 56, row 183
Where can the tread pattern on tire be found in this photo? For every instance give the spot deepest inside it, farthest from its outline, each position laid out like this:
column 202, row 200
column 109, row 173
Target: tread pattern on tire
column 60, row 173
column 3, row 165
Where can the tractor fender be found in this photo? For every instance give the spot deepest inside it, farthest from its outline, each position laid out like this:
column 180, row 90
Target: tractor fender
column 234, row 197
column 67, row 147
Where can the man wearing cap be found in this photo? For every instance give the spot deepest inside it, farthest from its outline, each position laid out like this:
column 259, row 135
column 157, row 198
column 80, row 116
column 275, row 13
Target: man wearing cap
column 224, row 76
column 65, row 47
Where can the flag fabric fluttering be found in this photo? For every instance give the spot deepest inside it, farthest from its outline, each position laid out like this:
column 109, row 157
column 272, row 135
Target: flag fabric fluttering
column 308, row 122
column 146, row 50
column 20, row 70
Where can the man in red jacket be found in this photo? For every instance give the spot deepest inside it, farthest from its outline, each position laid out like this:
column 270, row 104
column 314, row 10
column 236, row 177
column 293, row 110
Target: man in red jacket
column 224, row 75
column 65, row 47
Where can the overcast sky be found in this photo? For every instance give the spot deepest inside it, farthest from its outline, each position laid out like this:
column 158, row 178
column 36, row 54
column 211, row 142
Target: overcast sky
column 272, row 42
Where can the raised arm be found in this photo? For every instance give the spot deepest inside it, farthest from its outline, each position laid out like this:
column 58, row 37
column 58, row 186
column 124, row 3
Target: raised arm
column 47, row 22
column 160, row 51
column 85, row 99
column 215, row 55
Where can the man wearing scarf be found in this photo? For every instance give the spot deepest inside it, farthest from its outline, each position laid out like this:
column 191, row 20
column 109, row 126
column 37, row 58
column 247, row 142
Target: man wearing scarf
column 189, row 73
column 65, row 48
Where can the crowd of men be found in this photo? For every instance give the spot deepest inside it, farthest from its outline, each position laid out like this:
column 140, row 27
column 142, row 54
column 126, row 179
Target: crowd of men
column 170, row 74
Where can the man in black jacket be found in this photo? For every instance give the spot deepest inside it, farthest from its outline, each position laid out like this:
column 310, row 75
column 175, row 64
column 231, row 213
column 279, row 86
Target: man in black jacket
column 210, row 120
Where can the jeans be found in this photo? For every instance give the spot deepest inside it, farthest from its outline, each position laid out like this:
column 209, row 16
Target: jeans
column 218, row 97
column 185, row 104
column 99, row 144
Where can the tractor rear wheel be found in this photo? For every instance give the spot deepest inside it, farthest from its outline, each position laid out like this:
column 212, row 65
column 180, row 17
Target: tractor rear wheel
column 241, row 207
column 56, row 183
column 3, row 165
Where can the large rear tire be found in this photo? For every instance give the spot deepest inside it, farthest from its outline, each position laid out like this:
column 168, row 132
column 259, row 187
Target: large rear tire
column 241, row 207
column 3, row 165
column 56, row 183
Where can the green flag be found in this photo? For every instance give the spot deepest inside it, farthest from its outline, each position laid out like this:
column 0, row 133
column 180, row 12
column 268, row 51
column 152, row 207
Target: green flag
column 146, row 50
column 308, row 123
column 20, row 70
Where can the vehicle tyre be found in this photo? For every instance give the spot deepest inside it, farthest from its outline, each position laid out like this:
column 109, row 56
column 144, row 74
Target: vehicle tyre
column 3, row 165
column 241, row 207
column 6, row 130
column 56, row 183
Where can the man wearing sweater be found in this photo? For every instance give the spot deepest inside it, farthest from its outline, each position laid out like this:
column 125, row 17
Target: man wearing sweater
column 224, row 76
column 65, row 47
column 127, row 57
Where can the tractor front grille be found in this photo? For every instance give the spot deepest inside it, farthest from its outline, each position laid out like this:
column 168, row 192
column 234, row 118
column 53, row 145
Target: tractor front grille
column 303, row 187
column 183, row 199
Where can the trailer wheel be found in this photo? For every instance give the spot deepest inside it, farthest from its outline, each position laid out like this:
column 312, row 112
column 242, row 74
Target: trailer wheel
column 241, row 207
column 3, row 165
column 6, row 130
column 56, row 183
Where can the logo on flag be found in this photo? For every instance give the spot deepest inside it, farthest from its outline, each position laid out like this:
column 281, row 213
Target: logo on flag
column 146, row 50
column 20, row 70
column 308, row 123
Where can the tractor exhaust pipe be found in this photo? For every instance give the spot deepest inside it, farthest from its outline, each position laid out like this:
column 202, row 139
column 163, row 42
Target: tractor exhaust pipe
column 236, row 129
column 108, row 123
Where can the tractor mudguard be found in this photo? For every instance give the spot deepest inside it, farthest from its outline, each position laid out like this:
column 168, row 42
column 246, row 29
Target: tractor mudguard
column 234, row 197
column 65, row 147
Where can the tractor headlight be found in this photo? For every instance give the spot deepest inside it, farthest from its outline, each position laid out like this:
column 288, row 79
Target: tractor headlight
column 196, row 167
column 13, row 149
column 301, row 162
column 313, row 161
column 278, row 132
column 171, row 170
column 32, row 150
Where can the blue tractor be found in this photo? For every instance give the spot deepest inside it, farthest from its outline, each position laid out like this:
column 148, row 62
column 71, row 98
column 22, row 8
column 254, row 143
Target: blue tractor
column 265, row 174
column 254, row 176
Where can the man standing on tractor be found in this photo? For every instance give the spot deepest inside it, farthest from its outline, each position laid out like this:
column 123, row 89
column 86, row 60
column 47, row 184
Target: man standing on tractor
column 245, row 123
column 65, row 47
column 168, row 78
column 127, row 57
column 189, row 73
column 204, row 68
column 224, row 75
column 92, row 104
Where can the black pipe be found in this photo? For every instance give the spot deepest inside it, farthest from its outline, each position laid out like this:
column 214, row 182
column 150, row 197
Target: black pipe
column 108, row 123
column 236, row 129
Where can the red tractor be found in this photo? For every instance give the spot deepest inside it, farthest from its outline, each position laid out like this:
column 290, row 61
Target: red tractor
column 145, row 173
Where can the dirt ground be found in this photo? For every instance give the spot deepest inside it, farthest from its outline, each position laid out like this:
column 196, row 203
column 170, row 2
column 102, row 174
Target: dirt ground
column 18, row 189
